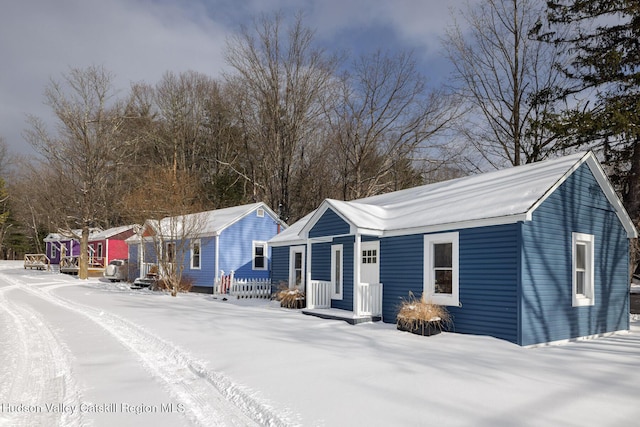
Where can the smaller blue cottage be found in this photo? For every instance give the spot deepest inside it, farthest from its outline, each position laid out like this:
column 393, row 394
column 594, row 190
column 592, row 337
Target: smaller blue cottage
column 208, row 244
column 533, row 254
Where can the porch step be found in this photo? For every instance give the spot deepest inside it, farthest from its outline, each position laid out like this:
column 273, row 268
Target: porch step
column 336, row 314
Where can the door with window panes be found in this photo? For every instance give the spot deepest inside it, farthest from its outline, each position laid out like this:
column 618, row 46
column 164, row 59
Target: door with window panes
column 370, row 262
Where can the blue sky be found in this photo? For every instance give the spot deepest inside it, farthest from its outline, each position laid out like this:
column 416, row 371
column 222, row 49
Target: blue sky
column 139, row 40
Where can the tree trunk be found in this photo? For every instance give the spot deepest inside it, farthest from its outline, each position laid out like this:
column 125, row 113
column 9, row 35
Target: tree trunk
column 83, row 263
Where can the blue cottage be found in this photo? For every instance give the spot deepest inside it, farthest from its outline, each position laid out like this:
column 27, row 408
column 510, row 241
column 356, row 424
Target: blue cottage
column 533, row 254
column 213, row 242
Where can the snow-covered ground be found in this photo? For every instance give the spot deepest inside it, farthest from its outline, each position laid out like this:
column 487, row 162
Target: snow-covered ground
column 94, row 353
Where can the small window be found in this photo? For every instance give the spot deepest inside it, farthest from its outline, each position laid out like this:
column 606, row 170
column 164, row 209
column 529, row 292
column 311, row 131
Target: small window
column 369, row 256
column 260, row 213
column 441, row 268
column 336, row 272
column 171, row 252
column 195, row 254
column 99, row 251
column 259, row 255
column 583, row 281
column 53, row 250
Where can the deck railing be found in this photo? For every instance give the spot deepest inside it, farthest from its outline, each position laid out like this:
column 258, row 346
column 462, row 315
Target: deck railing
column 318, row 294
column 38, row 261
column 370, row 299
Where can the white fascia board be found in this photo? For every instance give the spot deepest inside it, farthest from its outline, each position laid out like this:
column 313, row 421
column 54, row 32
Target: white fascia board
column 438, row 228
column 326, row 204
column 612, row 197
column 245, row 214
column 287, row 243
column 558, row 183
column 601, row 177
column 367, row 232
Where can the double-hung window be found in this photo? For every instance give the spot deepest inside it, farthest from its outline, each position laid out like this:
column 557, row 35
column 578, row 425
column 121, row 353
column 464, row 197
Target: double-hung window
column 583, row 280
column 195, row 255
column 259, row 255
column 441, row 268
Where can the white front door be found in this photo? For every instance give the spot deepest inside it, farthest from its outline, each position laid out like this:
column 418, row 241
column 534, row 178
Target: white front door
column 370, row 262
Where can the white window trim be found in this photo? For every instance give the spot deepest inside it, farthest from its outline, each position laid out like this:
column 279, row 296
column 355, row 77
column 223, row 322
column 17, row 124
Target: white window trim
column 429, row 275
column 193, row 244
column 337, row 295
column 99, row 251
column 292, row 270
column 588, row 298
column 52, row 250
column 262, row 244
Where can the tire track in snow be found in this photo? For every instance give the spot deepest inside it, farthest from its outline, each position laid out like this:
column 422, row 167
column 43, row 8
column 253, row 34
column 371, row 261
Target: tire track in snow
column 209, row 397
column 39, row 367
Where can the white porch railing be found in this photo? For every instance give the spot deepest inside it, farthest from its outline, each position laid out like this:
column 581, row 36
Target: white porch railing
column 318, row 294
column 370, row 299
column 149, row 269
column 243, row 288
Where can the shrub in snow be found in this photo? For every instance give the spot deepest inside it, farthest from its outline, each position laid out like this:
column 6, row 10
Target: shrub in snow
column 422, row 316
column 290, row 297
column 185, row 285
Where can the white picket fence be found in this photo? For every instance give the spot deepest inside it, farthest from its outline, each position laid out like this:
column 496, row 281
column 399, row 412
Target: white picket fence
column 243, row 288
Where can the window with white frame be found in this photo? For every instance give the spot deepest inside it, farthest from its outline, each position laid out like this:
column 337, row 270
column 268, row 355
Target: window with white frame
column 99, row 251
column 259, row 255
column 52, row 250
column 336, row 271
column 296, row 267
column 583, row 280
column 441, row 268
column 195, row 255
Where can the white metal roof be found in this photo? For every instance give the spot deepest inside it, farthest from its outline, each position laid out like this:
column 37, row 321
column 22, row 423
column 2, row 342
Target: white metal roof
column 209, row 223
column 498, row 197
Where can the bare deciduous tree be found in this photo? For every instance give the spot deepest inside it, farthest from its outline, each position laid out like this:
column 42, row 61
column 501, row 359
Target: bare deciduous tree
column 278, row 78
column 84, row 153
column 504, row 74
column 383, row 115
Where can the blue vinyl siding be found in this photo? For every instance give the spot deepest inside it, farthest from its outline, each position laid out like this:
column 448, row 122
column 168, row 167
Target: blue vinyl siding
column 487, row 280
column 206, row 274
column 401, row 272
column 236, row 245
column 329, row 224
column 578, row 205
column 279, row 265
column 321, row 261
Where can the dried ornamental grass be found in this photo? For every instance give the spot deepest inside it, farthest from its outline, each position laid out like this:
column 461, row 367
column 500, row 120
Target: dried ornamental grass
column 415, row 313
column 290, row 298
